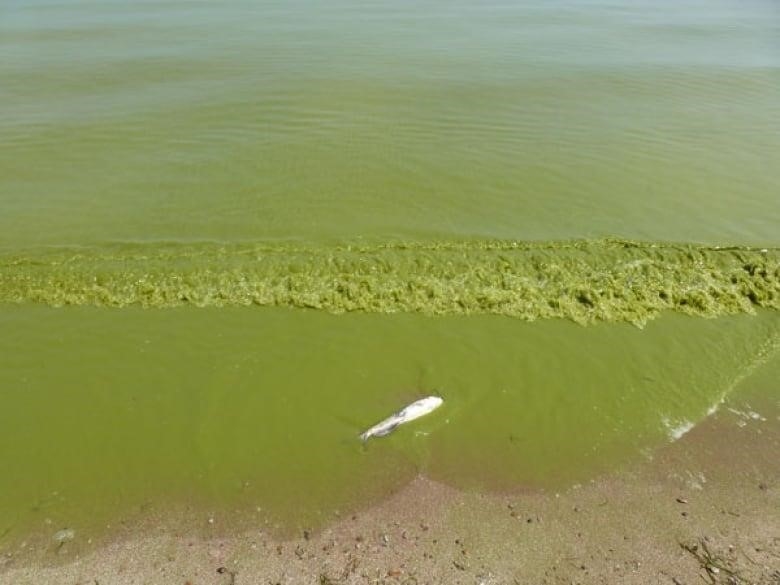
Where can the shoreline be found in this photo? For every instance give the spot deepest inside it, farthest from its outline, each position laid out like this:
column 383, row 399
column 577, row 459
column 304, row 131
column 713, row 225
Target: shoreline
column 705, row 506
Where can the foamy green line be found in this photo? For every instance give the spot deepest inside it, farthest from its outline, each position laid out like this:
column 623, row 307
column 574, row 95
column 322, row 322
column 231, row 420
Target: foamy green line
column 586, row 281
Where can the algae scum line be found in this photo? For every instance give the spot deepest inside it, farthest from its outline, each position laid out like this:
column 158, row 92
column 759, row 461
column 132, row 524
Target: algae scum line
column 585, row 281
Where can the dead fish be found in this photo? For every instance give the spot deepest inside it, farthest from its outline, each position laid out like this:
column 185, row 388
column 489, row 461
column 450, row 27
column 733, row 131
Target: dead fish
column 414, row 410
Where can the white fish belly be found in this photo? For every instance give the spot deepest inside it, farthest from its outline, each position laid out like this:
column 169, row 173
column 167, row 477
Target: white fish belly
column 414, row 411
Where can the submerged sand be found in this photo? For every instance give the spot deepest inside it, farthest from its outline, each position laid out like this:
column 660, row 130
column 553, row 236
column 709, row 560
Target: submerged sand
column 703, row 509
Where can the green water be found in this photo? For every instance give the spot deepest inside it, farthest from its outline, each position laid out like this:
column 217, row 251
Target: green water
column 235, row 234
column 107, row 411
column 257, row 120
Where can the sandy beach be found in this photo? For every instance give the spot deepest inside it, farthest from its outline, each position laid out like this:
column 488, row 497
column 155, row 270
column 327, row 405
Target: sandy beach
column 705, row 508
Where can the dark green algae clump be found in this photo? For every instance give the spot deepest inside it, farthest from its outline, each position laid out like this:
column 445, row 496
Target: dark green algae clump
column 585, row 281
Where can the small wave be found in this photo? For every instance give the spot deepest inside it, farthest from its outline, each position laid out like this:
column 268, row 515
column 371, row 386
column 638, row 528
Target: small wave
column 677, row 429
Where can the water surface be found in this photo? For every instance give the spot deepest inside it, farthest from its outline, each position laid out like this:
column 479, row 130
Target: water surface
column 106, row 412
column 343, row 120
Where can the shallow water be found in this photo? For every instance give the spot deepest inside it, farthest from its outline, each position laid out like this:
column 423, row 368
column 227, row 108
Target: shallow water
column 108, row 411
column 421, row 199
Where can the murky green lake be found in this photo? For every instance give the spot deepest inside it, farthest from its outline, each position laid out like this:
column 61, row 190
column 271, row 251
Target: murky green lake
column 234, row 235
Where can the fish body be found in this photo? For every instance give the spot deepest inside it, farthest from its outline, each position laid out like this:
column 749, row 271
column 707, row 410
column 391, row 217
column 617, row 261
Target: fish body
column 414, row 410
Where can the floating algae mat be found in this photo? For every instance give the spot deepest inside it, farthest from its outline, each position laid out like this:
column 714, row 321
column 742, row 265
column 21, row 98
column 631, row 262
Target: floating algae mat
column 106, row 414
column 606, row 280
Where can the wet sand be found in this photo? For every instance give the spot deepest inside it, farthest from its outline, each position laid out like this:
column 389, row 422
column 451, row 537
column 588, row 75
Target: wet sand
column 704, row 509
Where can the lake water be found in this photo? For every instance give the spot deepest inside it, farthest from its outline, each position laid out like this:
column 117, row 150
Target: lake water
column 235, row 234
